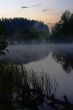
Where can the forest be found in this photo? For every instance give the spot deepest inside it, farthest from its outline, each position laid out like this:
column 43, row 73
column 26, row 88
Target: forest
column 63, row 29
column 24, row 30
column 21, row 29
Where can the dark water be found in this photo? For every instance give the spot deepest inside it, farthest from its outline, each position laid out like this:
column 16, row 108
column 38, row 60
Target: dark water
column 59, row 64
column 53, row 59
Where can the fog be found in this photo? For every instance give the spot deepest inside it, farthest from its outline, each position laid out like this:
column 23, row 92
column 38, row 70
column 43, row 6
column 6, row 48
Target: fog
column 26, row 53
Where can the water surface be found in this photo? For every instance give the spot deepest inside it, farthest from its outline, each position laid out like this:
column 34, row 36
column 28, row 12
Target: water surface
column 53, row 59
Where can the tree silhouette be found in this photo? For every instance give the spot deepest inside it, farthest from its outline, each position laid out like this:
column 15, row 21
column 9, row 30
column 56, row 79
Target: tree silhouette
column 63, row 30
column 20, row 29
column 3, row 46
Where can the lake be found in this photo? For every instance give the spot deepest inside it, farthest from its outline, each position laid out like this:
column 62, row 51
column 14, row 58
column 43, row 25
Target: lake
column 53, row 59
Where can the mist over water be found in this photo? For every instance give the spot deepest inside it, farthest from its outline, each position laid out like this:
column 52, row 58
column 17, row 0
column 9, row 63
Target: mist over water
column 26, row 53
column 36, row 55
column 53, row 59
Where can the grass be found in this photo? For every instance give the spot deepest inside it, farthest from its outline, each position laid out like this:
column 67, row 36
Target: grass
column 18, row 87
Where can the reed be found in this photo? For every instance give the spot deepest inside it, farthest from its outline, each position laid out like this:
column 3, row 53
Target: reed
column 18, row 87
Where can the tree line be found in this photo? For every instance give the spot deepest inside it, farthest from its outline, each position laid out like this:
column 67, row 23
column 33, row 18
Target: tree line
column 63, row 30
column 21, row 29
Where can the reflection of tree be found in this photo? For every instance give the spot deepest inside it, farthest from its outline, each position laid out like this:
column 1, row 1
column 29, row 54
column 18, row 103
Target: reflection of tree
column 20, row 89
column 65, row 59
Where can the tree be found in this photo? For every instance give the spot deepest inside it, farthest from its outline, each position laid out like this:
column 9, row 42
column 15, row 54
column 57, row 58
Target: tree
column 65, row 17
column 63, row 30
column 3, row 46
column 20, row 29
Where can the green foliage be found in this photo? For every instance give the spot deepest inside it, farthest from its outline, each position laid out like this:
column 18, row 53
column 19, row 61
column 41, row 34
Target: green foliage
column 63, row 30
column 20, row 29
column 3, row 46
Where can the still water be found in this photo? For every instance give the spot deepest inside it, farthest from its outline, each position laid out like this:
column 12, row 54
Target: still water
column 53, row 59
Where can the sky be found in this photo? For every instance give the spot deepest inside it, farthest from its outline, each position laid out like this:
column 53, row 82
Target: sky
column 48, row 11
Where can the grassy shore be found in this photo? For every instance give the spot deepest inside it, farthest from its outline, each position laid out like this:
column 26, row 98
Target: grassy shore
column 18, row 86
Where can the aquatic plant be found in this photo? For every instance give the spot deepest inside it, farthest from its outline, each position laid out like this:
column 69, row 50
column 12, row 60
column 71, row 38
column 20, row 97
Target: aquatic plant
column 18, row 87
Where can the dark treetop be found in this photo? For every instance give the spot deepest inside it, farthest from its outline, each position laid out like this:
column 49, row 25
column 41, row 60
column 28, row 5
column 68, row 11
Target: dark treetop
column 20, row 29
column 63, row 30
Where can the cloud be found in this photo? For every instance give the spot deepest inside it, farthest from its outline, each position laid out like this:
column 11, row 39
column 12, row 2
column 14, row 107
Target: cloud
column 24, row 7
column 36, row 5
column 45, row 10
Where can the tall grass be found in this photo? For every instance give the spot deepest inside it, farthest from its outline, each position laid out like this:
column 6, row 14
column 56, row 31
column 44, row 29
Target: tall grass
column 16, row 85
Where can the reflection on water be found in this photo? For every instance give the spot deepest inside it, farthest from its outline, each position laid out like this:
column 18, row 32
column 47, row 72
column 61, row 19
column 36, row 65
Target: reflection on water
column 20, row 89
column 56, row 69
column 53, row 59
column 24, row 53
column 65, row 59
